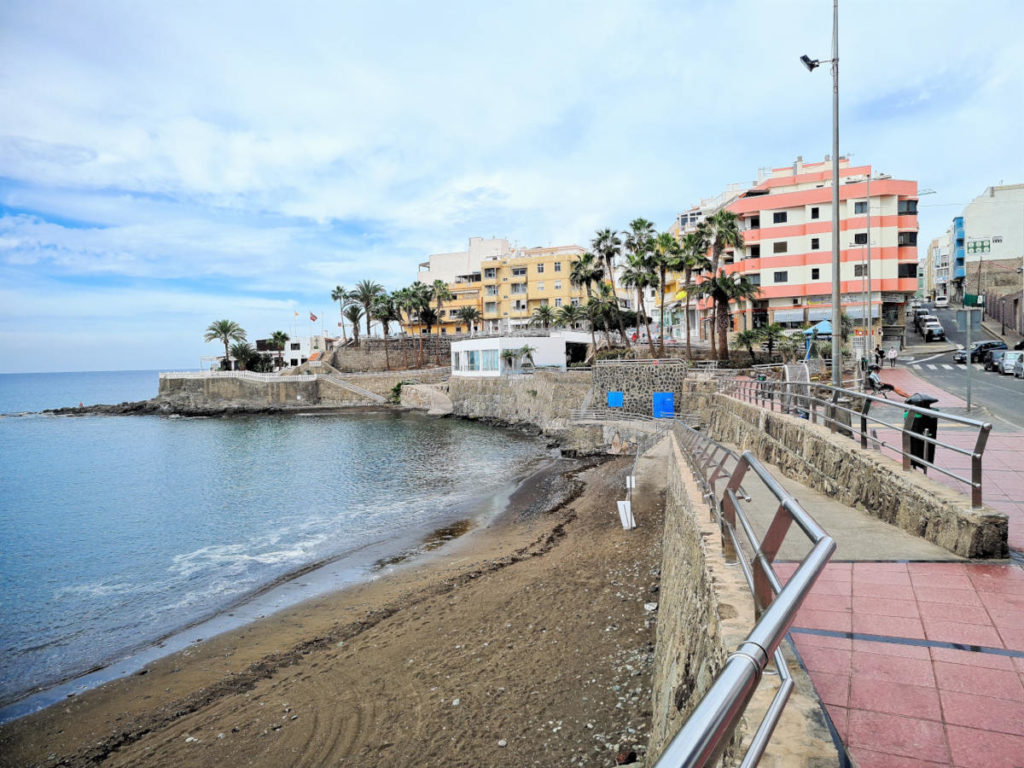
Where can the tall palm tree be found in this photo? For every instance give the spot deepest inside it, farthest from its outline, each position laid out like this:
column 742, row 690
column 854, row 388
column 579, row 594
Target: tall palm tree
column 586, row 271
column 721, row 290
column 570, row 315
column 340, row 295
column 470, row 316
column 442, row 293
column 608, row 246
column 608, row 303
column 279, row 339
column 354, row 313
column 640, row 275
column 225, row 331
column 593, row 309
column 364, row 293
column 695, row 259
column 543, row 315
column 721, row 230
column 419, row 301
column 668, row 257
column 243, row 353
column 385, row 312
column 403, row 303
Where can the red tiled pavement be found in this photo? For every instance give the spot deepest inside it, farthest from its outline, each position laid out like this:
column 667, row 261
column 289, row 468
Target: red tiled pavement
column 919, row 703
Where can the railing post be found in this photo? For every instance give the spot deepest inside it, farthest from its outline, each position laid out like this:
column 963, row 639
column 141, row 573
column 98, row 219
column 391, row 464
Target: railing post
column 976, row 478
column 908, row 420
column 865, row 404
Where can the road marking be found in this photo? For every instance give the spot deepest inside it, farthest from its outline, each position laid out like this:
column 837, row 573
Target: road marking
column 931, row 367
column 978, row 366
column 947, row 366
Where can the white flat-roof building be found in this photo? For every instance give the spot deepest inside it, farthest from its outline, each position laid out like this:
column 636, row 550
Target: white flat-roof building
column 492, row 356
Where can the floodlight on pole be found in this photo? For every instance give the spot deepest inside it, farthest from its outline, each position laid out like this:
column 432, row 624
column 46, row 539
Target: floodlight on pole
column 837, row 311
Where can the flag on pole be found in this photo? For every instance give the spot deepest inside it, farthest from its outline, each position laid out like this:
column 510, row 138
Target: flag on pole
column 296, row 314
column 312, row 317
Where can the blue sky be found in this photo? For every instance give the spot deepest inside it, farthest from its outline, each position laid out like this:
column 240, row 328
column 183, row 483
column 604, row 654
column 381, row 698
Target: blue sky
column 166, row 165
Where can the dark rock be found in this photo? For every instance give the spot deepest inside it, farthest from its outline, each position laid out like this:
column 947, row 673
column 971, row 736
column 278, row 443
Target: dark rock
column 625, row 757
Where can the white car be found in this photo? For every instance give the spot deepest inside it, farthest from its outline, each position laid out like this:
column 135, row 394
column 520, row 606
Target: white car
column 941, row 302
column 1008, row 362
column 933, row 330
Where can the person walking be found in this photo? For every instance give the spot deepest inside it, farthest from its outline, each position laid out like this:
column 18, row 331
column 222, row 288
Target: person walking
column 892, row 357
column 878, row 355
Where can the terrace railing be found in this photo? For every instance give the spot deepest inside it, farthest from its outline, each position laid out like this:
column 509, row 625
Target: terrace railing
column 720, row 473
column 861, row 416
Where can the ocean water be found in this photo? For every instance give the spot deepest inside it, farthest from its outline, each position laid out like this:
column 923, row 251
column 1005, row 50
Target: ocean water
column 20, row 392
column 117, row 531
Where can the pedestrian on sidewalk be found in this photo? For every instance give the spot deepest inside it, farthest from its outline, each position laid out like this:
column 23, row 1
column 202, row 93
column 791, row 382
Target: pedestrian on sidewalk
column 892, row 357
column 878, row 355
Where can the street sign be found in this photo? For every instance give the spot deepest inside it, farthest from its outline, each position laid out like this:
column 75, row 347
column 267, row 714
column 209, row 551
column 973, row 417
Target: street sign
column 974, row 300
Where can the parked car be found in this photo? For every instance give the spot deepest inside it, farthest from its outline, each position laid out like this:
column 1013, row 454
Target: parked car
column 941, row 302
column 992, row 358
column 918, row 314
column 1009, row 360
column 1018, row 369
column 1019, row 344
column 933, row 330
column 977, row 350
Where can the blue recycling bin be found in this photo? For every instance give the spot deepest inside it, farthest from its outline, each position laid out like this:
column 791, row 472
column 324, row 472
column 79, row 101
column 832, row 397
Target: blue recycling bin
column 663, row 405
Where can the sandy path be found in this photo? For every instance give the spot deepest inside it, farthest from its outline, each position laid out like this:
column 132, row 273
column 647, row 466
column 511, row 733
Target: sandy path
column 531, row 633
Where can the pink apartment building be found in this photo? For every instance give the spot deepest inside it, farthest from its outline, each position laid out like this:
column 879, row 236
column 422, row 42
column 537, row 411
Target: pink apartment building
column 786, row 218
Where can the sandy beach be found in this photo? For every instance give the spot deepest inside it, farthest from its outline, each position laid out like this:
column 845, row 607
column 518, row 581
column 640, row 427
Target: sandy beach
column 523, row 643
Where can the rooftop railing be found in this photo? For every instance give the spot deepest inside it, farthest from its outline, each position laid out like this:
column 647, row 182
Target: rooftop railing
column 720, row 473
column 860, row 416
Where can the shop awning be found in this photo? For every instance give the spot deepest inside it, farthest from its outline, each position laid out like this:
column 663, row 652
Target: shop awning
column 788, row 316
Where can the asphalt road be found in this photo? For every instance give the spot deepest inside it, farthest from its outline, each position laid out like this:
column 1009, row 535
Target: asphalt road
column 1002, row 395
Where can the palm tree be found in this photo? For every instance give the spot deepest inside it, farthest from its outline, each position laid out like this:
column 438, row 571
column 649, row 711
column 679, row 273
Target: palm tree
column 608, row 302
column 543, row 315
column 586, row 271
column 279, row 339
column 470, row 316
column 340, row 295
column 592, row 309
column 354, row 313
column 721, row 230
column 695, row 259
column 771, row 335
column 723, row 289
column 385, row 312
column 668, row 257
column 748, row 339
column 570, row 315
column 364, row 293
column 419, row 302
column 639, row 274
column 403, row 303
column 526, row 353
column 441, row 293
column 243, row 352
column 225, row 331
column 608, row 246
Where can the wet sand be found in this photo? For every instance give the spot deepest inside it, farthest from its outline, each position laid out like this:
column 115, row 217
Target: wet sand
column 522, row 643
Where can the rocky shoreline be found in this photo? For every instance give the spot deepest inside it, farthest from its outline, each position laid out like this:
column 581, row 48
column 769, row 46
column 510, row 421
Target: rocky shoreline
column 161, row 406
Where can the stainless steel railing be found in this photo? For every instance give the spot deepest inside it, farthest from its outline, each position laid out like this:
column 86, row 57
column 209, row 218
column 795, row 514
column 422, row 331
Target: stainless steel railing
column 710, row 726
column 849, row 413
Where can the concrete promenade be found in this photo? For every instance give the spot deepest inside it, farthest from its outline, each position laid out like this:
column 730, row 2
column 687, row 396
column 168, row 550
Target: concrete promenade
column 917, row 654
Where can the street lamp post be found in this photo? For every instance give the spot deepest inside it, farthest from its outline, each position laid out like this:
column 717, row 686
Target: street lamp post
column 837, row 311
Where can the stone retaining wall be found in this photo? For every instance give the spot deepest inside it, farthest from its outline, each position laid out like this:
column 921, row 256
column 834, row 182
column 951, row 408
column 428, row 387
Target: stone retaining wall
column 543, row 399
column 839, row 467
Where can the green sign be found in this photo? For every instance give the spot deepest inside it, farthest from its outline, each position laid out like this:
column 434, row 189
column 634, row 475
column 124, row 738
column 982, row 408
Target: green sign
column 973, row 300
column 979, row 246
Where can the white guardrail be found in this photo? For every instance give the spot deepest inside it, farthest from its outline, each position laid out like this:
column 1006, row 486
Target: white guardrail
column 247, row 375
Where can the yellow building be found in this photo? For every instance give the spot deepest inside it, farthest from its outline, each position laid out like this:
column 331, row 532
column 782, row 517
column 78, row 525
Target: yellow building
column 503, row 283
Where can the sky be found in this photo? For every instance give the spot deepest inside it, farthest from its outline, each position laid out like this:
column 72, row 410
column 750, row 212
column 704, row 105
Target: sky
column 166, row 165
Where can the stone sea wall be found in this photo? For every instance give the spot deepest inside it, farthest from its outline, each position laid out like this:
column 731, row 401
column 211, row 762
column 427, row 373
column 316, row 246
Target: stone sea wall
column 543, row 399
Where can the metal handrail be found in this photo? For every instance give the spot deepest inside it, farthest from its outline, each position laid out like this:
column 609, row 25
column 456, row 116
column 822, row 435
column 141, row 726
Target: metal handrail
column 823, row 402
column 709, row 727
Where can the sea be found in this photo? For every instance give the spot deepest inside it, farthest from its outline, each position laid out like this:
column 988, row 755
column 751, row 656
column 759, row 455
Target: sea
column 124, row 538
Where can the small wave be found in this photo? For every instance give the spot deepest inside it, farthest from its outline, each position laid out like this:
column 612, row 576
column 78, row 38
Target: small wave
column 95, row 590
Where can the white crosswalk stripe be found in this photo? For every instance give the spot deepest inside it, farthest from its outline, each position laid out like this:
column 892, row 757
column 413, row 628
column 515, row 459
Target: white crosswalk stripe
column 932, row 367
column 947, row 366
column 977, row 366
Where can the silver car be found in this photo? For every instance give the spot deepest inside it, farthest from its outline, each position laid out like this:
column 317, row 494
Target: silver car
column 1018, row 368
column 1008, row 362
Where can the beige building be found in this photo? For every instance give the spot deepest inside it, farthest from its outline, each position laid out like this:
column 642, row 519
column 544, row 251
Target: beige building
column 504, row 283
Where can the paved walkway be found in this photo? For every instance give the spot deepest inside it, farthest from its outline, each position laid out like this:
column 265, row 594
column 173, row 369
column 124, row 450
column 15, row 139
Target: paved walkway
column 917, row 655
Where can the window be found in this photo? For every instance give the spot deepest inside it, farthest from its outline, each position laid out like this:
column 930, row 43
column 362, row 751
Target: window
column 755, row 251
column 473, row 364
column 755, row 222
column 294, row 346
column 558, row 285
column 907, row 270
column 779, row 217
column 815, row 273
column 540, row 286
column 518, row 271
column 907, row 238
column 491, row 307
column 520, row 305
column 907, row 207
column 860, row 270
column 492, row 290
column 491, row 273
column 518, row 287
column 755, row 279
column 558, row 302
column 860, row 238
column 453, row 313
column 780, row 247
column 575, row 301
column 815, row 243
column 558, row 266
column 782, row 277
column 489, row 360
column 815, row 213
column 540, row 269
column 861, row 206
